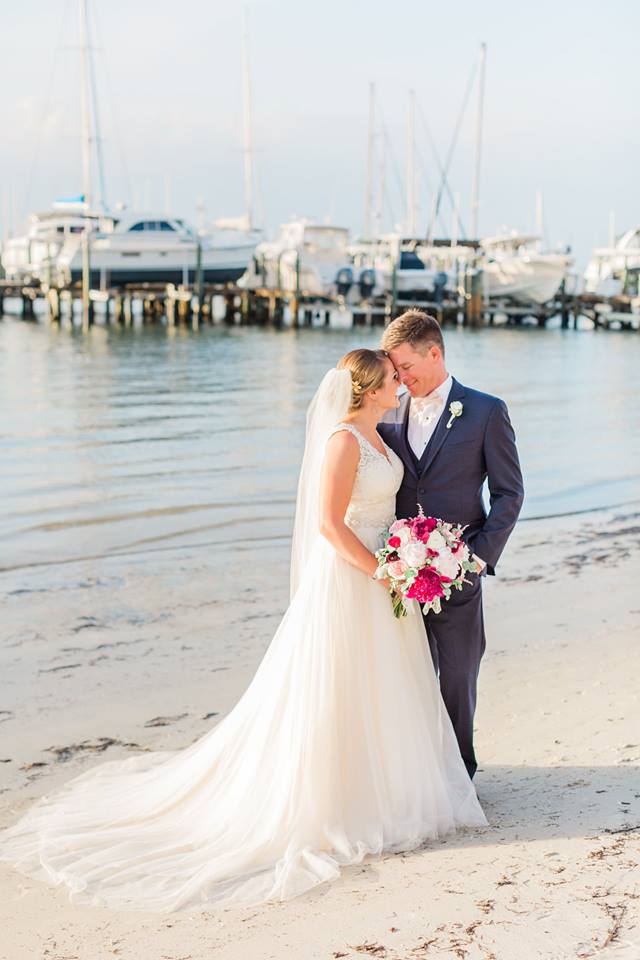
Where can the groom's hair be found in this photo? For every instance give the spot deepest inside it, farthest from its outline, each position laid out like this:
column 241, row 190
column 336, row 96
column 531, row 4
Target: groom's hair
column 415, row 327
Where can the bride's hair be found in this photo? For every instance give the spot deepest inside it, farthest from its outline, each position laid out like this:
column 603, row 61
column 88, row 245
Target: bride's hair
column 367, row 369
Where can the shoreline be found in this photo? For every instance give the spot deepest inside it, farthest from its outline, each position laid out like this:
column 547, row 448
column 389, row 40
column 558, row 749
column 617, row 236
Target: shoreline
column 557, row 742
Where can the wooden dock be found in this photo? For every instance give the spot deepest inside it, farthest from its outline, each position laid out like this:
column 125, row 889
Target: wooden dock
column 232, row 305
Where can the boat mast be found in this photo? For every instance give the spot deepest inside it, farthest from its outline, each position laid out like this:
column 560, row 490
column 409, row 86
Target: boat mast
column 540, row 217
column 475, row 187
column 84, row 102
column 368, row 198
column 97, row 139
column 247, row 138
column 379, row 207
column 411, row 170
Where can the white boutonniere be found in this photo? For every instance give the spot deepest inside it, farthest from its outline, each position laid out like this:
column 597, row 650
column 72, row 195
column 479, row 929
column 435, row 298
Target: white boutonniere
column 455, row 409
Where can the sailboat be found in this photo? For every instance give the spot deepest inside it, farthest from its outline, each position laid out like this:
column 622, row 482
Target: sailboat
column 125, row 246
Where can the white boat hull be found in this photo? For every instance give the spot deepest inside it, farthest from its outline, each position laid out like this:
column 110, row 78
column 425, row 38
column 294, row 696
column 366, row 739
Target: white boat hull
column 527, row 280
column 172, row 265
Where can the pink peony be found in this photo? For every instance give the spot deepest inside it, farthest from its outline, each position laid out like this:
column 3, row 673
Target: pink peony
column 422, row 527
column 394, row 542
column 426, row 587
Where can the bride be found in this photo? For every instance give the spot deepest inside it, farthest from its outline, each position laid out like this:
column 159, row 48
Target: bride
column 340, row 747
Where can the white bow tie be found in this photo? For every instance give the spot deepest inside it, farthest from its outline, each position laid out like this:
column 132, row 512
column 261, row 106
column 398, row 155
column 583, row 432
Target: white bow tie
column 424, row 410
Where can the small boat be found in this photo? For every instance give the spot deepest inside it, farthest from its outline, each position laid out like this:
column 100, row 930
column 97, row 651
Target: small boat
column 514, row 268
column 614, row 271
column 304, row 256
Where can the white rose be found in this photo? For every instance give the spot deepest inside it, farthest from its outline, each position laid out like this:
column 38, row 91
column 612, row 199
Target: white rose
column 436, row 541
column 404, row 534
column 414, row 553
column 446, row 564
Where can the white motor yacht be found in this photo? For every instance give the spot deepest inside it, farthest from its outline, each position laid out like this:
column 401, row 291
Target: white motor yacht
column 127, row 248
column 614, row 270
column 514, row 268
column 304, row 256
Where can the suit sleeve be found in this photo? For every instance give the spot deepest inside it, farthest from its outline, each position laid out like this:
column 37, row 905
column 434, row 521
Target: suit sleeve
column 506, row 489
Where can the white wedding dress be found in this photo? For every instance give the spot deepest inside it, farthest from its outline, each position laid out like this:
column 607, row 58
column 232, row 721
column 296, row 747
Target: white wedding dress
column 341, row 747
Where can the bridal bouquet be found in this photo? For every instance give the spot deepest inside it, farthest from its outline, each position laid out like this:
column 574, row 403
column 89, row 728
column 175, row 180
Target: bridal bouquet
column 424, row 559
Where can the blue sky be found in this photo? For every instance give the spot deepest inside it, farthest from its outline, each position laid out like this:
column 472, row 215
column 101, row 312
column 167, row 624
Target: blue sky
column 561, row 106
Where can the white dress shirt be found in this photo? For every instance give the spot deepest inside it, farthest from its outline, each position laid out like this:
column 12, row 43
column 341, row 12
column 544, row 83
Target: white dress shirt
column 424, row 413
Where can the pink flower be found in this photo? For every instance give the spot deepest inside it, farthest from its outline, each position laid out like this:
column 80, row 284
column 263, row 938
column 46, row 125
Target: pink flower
column 426, row 587
column 397, row 569
column 460, row 551
column 394, row 542
column 422, row 527
column 398, row 525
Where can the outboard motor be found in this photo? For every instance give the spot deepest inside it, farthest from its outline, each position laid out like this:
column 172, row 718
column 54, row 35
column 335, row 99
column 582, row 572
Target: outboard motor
column 439, row 285
column 367, row 282
column 344, row 280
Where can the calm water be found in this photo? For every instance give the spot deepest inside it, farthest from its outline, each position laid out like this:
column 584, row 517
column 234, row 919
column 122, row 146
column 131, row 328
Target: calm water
column 146, row 440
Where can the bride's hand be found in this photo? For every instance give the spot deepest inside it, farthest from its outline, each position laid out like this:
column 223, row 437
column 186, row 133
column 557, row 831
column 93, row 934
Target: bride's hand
column 386, row 583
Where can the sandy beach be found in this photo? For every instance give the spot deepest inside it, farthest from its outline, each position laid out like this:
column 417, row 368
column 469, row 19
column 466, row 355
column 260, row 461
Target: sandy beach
column 126, row 657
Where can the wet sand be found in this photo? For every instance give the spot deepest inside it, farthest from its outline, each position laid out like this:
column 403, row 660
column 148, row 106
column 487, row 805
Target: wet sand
column 126, row 654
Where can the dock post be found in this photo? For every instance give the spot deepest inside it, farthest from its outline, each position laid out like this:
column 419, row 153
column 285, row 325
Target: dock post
column 27, row 306
column 170, row 309
column 183, row 308
column 199, row 291
column 128, row 310
column 244, row 307
column 271, row 307
column 474, row 301
column 229, row 308
column 564, row 310
column 67, row 313
column 295, row 303
column 117, row 308
column 53, row 302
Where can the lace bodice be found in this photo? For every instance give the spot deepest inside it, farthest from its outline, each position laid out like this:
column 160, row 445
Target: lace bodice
column 378, row 478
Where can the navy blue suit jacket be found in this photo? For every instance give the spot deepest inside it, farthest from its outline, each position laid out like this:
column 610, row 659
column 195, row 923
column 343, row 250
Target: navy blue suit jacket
column 480, row 445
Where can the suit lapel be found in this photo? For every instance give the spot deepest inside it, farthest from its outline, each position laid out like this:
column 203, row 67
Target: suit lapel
column 406, row 453
column 441, row 432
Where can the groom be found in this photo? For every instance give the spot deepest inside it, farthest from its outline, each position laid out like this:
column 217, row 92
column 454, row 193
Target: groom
column 451, row 439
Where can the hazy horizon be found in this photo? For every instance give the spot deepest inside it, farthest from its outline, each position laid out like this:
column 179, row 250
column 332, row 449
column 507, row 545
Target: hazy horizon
column 558, row 111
